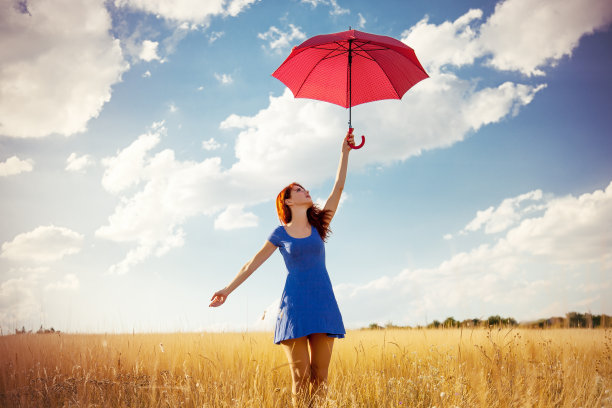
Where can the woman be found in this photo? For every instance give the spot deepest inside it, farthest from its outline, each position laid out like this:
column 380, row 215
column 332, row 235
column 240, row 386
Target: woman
column 309, row 316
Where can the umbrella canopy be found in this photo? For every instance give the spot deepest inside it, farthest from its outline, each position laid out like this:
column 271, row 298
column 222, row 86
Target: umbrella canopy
column 350, row 68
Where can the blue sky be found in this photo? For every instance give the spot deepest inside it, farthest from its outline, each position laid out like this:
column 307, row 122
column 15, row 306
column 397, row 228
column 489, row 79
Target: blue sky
column 142, row 145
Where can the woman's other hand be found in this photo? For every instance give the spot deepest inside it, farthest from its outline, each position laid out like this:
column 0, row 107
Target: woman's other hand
column 218, row 298
column 348, row 141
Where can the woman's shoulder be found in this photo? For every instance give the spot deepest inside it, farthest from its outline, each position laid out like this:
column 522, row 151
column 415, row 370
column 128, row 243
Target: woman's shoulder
column 277, row 235
column 278, row 229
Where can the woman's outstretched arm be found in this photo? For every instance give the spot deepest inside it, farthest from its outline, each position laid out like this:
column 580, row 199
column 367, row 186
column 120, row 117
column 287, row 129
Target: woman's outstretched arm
column 260, row 257
column 334, row 197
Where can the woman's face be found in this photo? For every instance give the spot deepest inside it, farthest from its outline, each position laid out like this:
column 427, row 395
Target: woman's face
column 299, row 196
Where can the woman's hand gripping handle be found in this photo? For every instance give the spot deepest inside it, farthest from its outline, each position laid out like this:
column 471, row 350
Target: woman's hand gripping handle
column 352, row 142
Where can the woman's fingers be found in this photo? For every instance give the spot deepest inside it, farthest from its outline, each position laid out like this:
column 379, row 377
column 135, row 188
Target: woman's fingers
column 218, row 299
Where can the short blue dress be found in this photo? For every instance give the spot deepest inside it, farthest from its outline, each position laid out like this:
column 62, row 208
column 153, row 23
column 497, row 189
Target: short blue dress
column 308, row 304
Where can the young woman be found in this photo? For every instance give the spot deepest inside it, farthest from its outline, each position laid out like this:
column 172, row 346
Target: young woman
column 309, row 317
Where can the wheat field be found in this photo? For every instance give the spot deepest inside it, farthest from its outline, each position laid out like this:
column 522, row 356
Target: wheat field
column 370, row 368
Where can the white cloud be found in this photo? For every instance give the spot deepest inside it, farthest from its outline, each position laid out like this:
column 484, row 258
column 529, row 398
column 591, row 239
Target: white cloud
column 452, row 43
column 192, row 11
column 224, row 79
column 172, row 107
column 279, row 40
column 43, row 244
column 147, row 74
column 214, row 36
column 508, row 213
column 148, row 52
column 35, row 80
column 547, row 254
column 125, row 169
column 336, row 10
column 573, row 230
column 518, row 36
column 18, row 302
column 524, row 36
column 70, row 282
column 14, row 165
column 234, row 217
column 210, row 144
column 236, row 6
column 78, row 164
column 362, row 21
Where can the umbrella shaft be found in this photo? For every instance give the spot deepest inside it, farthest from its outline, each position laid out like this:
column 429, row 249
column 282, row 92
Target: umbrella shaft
column 350, row 80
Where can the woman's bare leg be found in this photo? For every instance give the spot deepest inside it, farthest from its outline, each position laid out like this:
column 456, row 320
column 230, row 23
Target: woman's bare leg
column 299, row 363
column 321, row 347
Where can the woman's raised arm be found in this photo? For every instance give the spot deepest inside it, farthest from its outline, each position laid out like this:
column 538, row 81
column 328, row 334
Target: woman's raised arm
column 260, row 257
column 334, row 197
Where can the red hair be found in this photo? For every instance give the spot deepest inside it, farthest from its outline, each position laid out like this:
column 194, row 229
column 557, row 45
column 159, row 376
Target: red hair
column 317, row 217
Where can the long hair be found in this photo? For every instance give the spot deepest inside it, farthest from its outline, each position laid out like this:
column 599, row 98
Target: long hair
column 317, row 217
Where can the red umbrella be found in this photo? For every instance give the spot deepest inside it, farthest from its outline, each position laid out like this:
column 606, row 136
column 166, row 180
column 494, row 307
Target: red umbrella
column 350, row 68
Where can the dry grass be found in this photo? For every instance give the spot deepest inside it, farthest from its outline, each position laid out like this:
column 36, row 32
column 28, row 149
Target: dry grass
column 387, row 368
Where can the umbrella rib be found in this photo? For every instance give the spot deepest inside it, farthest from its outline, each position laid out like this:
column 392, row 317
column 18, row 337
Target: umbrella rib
column 381, row 68
column 312, row 69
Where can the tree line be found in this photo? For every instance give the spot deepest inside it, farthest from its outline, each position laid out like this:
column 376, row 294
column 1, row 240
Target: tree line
column 571, row 320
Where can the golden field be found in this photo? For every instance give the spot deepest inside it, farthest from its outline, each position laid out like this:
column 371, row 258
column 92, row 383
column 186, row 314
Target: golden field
column 369, row 368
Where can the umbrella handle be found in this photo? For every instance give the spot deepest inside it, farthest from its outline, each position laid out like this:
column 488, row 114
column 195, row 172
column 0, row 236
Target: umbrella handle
column 358, row 146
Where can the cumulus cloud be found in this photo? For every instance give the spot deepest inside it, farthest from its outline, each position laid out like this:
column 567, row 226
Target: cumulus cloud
column 148, row 52
column 224, row 79
column 35, row 80
column 573, row 230
column 450, row 43
column 279, row 40
column 510, row 211
column 14, row 165
column 335, row 10
column 214, row 36
column 43, row 244
column 69, row 282
column 19, row 302
column 125, row 169
column 518, row 36
column 78, row 164
column 199, row 12
column 173, row 191
column 210, row 144
column 571, row 235
column 362, row 21
column 234, row 217
column 525, row 37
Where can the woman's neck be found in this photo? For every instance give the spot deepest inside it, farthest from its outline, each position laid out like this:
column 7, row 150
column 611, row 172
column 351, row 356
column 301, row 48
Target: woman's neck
column 299, row 217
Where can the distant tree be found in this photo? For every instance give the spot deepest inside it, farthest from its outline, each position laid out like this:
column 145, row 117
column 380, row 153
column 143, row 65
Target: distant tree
column 450, row 322
column 575, row 319
column 494, row 320
column 375, row 326
column 434, row 324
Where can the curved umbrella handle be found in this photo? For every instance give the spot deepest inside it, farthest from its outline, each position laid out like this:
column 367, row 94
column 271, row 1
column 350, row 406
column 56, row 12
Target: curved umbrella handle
column 358, row 146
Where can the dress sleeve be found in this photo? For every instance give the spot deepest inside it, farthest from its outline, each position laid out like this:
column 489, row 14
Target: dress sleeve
column 274, row 237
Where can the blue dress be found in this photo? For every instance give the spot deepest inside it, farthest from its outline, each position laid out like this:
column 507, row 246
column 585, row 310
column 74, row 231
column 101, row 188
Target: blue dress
column 308, row 304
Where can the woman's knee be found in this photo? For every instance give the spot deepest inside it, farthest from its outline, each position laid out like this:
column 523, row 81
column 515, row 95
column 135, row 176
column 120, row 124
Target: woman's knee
column 301, row 373
column 318, row 374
